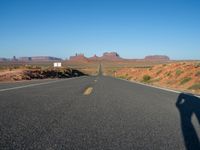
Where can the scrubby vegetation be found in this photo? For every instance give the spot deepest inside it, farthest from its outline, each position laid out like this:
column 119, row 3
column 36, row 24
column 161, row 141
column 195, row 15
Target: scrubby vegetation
column 179, row 76
column 146, row 78
column 159, row 72
column 197, row 74
column 126, row 77
column 168, row 73
column 122, row 77
column 155, row 80
column 185, row 80
column 195, row 87
column 197, row 65
column 179, row 72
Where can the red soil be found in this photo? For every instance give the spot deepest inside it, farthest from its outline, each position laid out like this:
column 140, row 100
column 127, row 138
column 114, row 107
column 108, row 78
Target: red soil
column 179, row 76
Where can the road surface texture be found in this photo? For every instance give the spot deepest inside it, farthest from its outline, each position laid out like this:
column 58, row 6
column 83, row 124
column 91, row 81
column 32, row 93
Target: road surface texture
column 114, row 115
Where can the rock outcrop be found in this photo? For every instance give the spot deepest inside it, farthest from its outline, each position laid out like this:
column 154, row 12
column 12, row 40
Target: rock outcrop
column 112, row 56
column 79, row 58
column 95, row 58
column 108, row 56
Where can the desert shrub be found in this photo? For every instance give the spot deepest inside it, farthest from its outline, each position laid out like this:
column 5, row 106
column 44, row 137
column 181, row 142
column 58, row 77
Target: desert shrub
column 197, row 73
column 179, row 72
column 145, row 67
column 129, row 78
column 164, row 65
column 33, row 67
column 122, row 77
column 195, row 87
column 146, row 78
column 159, row 72
column 155, row 80
column 197, row 65
column 28, row 67
column 150, row 68
column 2, row 68
column 126, row 77
column 185, row 80
column 16, row 67
column 168, row 73
column 36, row 67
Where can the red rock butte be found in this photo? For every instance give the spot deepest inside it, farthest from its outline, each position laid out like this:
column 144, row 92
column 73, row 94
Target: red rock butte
column 114, row 56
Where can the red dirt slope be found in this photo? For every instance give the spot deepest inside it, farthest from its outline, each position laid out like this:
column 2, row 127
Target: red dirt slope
column 182, row 76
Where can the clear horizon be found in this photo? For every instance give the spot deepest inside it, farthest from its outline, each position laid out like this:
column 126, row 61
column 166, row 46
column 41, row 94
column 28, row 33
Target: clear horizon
column 133, row 29
column 67, row 57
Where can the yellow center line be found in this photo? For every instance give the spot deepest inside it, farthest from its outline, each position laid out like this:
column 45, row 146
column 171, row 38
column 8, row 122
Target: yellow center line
column 88, row 91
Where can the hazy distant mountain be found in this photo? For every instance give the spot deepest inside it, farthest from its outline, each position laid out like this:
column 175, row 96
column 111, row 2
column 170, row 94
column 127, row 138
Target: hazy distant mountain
column 107, row 56
column 39, row 58
column 4, row 59
column 157, row 58
column 35, row 58
column 44, row 58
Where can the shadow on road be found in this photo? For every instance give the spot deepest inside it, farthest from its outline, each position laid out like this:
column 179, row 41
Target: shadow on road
column 189, row 105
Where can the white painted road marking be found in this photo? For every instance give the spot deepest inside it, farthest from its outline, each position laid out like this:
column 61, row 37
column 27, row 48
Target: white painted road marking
column 32, row 85
column 88, row 91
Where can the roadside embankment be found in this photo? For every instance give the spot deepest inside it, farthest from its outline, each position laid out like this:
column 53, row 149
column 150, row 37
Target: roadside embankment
column 184, row 76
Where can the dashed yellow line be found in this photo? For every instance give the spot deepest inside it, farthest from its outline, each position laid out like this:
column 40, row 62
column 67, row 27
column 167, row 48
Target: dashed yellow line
column 88, row 91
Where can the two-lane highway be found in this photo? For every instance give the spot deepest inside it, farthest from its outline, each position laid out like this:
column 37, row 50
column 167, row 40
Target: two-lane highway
column 115, row 114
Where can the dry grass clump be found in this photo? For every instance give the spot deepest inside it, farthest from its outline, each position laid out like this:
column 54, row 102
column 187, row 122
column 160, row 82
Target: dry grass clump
column 146, row 78
column 185, row 80
column 195, row 87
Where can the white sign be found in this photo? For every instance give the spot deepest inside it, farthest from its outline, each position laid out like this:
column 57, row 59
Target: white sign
column 57, row 64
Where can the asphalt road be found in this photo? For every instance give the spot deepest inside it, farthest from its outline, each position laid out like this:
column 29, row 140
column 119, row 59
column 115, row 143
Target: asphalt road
column 117, row 115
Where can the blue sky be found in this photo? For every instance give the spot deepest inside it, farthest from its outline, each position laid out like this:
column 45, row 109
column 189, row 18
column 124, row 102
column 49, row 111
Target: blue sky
column 132, row 28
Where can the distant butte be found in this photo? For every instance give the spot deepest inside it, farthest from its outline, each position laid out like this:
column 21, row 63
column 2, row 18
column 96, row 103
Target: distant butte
column 114, row 56
column 78, row 57
column 157, row 58
column 107, row 56
column 95, row 57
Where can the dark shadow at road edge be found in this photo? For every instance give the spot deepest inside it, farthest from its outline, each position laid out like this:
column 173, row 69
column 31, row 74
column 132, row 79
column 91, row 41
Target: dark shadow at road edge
column 188, row 104
column 77, row 73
